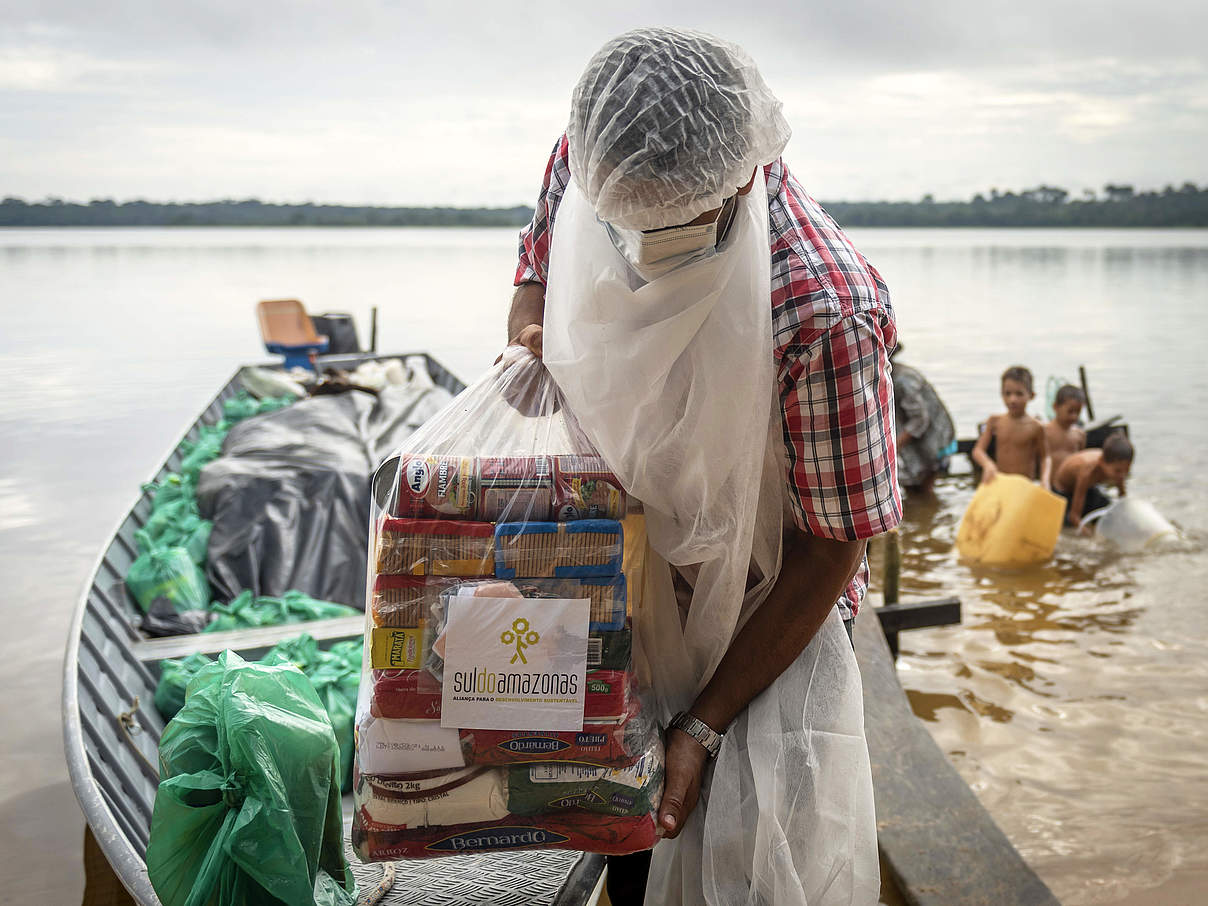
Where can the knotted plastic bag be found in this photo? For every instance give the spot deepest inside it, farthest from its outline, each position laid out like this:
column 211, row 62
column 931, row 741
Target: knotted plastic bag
column 248, row 806
column 170, row 573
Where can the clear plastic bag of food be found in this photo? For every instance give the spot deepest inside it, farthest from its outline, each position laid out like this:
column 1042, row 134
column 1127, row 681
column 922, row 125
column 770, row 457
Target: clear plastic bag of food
column 499, row 705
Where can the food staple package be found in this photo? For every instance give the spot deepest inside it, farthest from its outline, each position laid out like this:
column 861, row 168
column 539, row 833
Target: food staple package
column 499, row 706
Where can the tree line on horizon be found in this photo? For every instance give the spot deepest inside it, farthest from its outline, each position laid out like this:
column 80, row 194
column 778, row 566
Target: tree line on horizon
column 1043, row 206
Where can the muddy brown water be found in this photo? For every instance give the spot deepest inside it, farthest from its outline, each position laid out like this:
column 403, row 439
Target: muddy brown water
column 1073, row 698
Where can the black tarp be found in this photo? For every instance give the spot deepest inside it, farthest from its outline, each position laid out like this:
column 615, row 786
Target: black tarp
column 289, row 497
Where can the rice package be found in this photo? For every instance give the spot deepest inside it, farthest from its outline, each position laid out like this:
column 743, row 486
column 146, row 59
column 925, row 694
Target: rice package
column 499, row 706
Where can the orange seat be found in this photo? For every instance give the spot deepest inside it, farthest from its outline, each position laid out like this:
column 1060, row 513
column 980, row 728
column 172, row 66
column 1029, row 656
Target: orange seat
column 285, row 322
column 286, row 329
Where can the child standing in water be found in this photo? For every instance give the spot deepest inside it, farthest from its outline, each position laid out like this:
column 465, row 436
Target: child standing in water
column 1062, row 433
column 1078, row 475
column 1020, row 446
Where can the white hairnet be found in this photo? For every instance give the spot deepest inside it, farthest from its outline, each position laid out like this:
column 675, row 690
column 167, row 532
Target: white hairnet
column 666, row 124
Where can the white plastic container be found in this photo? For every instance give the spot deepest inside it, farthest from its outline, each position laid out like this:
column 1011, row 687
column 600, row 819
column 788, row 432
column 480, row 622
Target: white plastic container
column 1131, row 524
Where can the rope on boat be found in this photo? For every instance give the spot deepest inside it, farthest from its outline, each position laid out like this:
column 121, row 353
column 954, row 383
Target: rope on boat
column 384, row 886
column 129, row 725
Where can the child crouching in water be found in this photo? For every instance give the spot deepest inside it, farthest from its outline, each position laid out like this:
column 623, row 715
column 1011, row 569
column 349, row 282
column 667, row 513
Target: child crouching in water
column 1020, row 445
column 1078, row 475
column 1062, row 433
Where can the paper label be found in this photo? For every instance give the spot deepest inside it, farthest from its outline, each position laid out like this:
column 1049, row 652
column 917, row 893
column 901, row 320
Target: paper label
column 515, row 662
column 635, row 776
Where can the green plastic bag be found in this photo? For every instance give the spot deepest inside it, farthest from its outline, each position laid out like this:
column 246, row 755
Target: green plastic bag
column 248, row 807
column 244, row 405
column 174, row 677
column 170, row 573
column 246, row 611
column 336, row 676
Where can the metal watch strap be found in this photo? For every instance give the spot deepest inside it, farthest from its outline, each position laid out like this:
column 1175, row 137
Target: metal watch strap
column 698, row 730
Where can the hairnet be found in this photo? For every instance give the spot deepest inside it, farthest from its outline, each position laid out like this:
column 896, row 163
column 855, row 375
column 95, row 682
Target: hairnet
column 665, row 124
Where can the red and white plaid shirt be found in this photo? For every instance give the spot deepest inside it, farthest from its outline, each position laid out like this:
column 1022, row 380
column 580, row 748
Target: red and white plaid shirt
column 832, row 331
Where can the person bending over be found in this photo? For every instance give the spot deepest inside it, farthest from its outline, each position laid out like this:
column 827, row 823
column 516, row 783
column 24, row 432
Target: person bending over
column 925, row 430
column 1079, row 475
column 726, row 349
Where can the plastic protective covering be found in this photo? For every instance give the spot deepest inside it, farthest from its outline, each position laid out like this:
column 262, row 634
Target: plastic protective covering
column 289, row 496
column 666, row 124
column 248, row 806
column 499, row 706
column 672, row 380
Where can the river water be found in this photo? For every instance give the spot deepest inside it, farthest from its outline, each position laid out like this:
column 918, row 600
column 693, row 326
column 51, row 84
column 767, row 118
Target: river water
column 1073, row 697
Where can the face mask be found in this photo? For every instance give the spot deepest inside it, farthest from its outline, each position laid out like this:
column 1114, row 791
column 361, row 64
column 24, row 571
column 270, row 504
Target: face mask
column 655, row 253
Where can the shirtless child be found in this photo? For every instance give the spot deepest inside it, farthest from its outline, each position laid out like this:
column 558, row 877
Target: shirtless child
column 1063, row 434
column 1020, row 447
column 1078, row 475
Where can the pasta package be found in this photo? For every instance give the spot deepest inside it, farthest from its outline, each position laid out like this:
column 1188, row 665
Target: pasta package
column 499, row 596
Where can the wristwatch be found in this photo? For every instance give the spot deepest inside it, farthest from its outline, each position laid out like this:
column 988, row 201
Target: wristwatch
column 700, row 731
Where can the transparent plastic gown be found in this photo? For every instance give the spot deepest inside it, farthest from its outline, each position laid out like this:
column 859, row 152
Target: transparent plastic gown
column 672, row 380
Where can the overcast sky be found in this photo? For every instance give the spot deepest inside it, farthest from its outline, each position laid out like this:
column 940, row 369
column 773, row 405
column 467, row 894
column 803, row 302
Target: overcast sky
column 368, row 101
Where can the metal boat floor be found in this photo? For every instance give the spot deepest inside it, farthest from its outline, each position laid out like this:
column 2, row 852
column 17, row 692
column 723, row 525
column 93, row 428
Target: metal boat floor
column 534, row 878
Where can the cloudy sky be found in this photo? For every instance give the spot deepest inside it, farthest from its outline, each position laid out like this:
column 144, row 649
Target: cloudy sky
column 370, row 101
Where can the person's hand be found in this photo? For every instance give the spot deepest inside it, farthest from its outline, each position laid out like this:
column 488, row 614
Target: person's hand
column 530, row 337
column 989, row 473
column 681, row 784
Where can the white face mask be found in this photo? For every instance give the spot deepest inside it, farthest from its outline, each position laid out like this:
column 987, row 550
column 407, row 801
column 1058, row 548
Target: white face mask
column 655, row 253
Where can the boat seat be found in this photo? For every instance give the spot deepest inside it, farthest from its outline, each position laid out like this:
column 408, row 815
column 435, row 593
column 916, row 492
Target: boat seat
column 248, row 643
column 287, row 330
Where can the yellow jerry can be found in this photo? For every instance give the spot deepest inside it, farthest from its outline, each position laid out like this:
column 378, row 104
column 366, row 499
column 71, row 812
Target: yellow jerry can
column 1010, row 522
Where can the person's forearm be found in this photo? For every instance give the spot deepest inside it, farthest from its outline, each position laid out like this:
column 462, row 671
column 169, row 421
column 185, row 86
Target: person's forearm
column 814, row 574
column 528, row 307
column 1046, row 471
column 979, row 454
column 1077, row 502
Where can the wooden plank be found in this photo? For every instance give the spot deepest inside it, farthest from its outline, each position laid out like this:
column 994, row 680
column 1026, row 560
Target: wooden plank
column 252, row 642
column 941, row 845
column 919, row 614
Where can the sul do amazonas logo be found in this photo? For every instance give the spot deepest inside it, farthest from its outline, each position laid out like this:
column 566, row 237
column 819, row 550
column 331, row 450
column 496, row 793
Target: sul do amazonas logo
column 520, row 637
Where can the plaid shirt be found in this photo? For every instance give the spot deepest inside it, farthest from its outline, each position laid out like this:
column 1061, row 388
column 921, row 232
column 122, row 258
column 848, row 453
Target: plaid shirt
column 832, row 330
